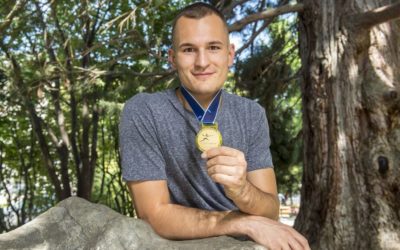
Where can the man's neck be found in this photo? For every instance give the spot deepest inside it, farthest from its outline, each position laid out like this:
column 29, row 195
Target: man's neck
column 204, row 101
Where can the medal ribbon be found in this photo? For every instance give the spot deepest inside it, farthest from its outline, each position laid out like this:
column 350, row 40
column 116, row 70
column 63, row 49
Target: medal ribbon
column 204, row 116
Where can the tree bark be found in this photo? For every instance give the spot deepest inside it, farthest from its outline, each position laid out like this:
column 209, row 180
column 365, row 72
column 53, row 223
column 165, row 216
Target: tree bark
column 351, row 127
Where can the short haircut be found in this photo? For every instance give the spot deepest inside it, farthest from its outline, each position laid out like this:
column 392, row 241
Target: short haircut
column 197, row 10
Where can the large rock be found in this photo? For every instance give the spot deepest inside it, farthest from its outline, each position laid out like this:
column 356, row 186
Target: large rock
column 78, row 224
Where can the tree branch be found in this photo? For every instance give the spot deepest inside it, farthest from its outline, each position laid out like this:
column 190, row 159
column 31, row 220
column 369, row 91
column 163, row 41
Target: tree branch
column 9, row 198
column 227, row 11
column 62, row 149
column 376, row 16
column 140, row 74
column 84, row 152
column 35, row 121
column 4, row 184
column 93, row 149
column 272, row 13
column 253, row 37
column 23, row 173
column 255, row 24
column 15, row 10
column 71, row 85
column 103, row 164
column 111, row 41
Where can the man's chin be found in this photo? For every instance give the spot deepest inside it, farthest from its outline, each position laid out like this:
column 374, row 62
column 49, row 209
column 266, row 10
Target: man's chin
column 203, row 87
column 207, row 91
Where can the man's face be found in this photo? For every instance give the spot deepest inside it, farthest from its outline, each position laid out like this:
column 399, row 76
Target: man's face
column 202, row 54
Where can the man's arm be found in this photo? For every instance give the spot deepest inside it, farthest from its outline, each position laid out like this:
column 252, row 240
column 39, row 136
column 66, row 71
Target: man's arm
column 259, row 195
column 172, row 221
column 152, row 204
column 253, row 192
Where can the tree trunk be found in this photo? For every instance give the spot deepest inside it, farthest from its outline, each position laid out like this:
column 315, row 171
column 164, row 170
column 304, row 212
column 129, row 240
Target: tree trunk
column 351, row 126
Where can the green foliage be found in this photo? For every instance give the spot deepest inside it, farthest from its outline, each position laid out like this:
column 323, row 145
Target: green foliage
column 24, row 188
column 270, row 77
column 71, row 65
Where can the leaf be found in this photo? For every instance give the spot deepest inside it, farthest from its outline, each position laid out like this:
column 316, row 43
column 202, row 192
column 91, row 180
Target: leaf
column 40, row 92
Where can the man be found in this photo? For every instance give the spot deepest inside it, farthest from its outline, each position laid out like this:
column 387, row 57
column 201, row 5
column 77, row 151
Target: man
column 229, row 188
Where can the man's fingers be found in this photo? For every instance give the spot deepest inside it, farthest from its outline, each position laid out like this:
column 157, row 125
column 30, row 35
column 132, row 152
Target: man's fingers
column 223, row 150
column 286, row 247
column 226, row 180
column 301, row 240
column 294, row 244
column 298, row 240
column 222, row 160
column 226, row 170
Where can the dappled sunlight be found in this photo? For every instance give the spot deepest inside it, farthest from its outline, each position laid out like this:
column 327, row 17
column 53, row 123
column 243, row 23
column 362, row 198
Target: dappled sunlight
column 379, row 54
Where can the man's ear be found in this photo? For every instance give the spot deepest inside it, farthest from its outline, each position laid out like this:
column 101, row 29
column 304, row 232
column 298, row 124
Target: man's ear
column 231, row 54
column 171, row 58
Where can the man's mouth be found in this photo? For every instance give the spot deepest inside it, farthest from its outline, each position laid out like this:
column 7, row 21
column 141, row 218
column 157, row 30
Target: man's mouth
column 203, row 75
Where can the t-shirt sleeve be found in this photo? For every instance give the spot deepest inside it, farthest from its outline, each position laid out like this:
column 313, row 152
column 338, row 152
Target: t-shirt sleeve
column 141, row 156
column 259, row 154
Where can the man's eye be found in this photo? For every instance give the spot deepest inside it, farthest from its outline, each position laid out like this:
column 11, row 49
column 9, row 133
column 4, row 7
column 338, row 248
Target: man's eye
column 214, row 47
column 188, row 50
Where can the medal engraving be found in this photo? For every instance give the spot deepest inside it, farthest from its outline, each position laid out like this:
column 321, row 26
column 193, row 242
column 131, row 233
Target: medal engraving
column 208, row 137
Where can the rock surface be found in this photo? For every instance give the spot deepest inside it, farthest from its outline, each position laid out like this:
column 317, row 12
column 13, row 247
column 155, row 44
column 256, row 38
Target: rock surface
column 78, row 224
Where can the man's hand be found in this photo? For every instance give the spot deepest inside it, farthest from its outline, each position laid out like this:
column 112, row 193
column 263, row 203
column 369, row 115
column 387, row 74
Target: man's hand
column 228, row 167
column 280, row 236
column 266, row 232
column 253, row 192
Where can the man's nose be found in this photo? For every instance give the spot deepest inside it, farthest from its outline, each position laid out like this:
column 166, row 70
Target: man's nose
column 202, row 59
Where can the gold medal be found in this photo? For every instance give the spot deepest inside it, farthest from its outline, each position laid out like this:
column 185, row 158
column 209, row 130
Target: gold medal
column 208, row 137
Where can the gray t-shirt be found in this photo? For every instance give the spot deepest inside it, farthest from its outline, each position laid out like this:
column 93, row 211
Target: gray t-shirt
column 157, row 142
